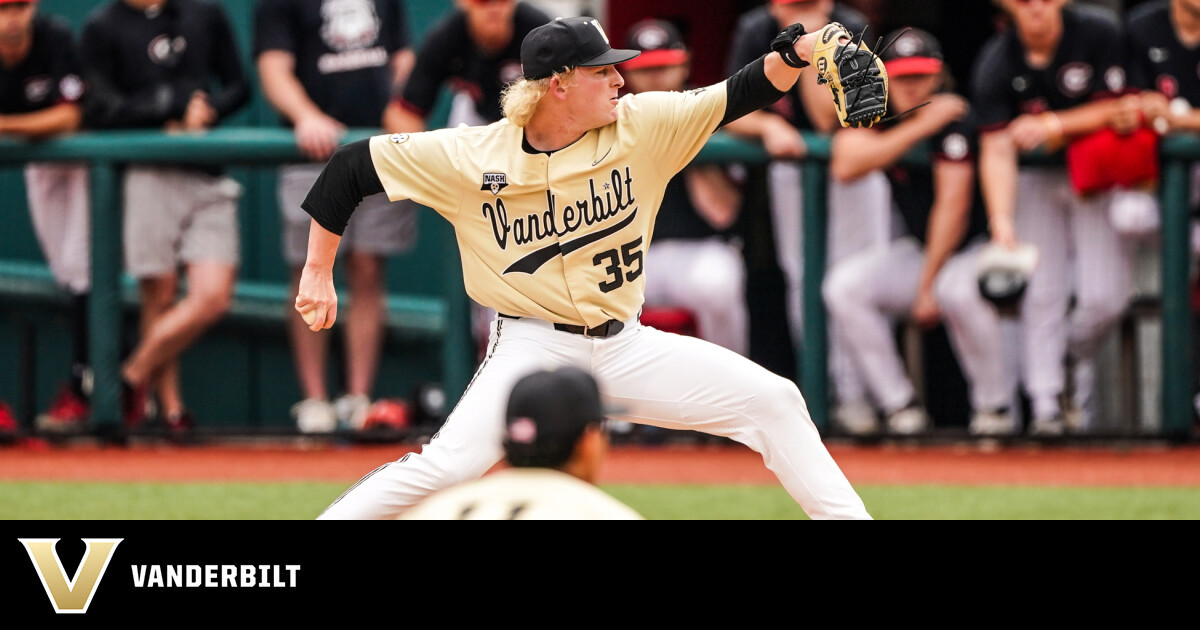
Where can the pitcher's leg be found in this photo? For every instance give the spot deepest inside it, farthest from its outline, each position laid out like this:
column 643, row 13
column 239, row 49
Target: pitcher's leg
column 679, row 382
column 469, row 441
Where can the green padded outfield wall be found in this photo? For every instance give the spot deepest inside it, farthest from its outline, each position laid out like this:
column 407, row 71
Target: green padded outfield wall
column 232, row 377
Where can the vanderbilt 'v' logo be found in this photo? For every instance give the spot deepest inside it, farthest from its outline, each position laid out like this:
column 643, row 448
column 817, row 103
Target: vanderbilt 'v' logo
column 73, row 595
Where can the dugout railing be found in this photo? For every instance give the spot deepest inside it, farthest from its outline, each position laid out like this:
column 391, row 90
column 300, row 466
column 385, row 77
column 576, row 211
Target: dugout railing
column 446, row 317
column 442, row 319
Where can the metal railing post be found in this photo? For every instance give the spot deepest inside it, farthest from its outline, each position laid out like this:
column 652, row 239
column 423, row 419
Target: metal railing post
column 814, row 377
column 104, row 303
column 1178, row 377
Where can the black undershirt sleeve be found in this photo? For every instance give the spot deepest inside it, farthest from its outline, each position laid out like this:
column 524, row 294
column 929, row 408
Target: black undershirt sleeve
column 346, row 180
column 749, row 90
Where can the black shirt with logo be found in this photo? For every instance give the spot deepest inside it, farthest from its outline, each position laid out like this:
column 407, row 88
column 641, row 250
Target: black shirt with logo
column 752, row 39
column 913, row 188
column 1087, row 65
column 449, row 54
column 142, row 67
column 343, row 51
column 49, row 75
column 1156, row 59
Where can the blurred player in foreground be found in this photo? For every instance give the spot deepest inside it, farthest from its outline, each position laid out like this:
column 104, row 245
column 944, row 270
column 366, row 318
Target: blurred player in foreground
column 555, row 443
column 553, row 209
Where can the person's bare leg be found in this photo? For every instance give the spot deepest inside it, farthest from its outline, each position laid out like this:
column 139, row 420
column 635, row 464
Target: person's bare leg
column 158, row 295
column 170, row 393
column 364, row 320
column 210, row 290
column 309, row 349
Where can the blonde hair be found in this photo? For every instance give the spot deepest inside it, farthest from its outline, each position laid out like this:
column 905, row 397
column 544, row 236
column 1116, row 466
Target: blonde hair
column 520, row 99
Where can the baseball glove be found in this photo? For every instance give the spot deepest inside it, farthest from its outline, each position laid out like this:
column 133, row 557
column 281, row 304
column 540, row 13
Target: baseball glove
column 854, row 74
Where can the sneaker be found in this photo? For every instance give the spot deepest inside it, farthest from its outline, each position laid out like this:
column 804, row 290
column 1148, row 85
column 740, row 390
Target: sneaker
column 314, row 415
column 856, row 418
column 135, row 405
column 8, row 420
column 351, row 410
column 992, row 422
column 182, row 421
column 1049, row 426
column 909, row 420
column 68, row 413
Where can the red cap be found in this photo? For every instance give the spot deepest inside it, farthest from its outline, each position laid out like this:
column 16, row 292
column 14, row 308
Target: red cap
column 660, row 43
column 913, row 51
column 913, row 65
column 788, row 1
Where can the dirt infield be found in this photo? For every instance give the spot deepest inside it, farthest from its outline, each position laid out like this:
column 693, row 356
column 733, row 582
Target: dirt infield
column 887, row 464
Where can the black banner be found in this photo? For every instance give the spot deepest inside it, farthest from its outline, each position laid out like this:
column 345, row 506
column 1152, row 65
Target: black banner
column 205, row 569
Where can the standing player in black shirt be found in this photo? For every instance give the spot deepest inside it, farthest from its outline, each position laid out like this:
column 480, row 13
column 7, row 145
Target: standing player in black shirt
column 1045, row 81
column 858, row 210
column 927, row 275
column 326, row 65
column 173, row 65
column 40, row 90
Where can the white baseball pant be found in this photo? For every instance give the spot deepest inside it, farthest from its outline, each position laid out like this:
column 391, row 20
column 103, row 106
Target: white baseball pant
column 1079, row 253
column 859, row 214
column 59, row 206
column 708, row 278
column 656, row 378
column 867, row 292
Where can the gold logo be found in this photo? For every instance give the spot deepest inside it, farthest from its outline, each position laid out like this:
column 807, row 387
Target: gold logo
column 73, row 595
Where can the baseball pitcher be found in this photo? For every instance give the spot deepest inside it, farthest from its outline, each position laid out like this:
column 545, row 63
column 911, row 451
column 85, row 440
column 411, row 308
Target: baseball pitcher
column 553, row 208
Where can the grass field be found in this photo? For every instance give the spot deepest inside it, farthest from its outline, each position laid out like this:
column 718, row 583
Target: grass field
column 26, row 500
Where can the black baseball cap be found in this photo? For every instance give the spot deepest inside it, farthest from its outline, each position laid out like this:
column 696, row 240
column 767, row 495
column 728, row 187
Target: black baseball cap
column 914, row 52
column 659, row 41
column 546, row 415
column 567, row 43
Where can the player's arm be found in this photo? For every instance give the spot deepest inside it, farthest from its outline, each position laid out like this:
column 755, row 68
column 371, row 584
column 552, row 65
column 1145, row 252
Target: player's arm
column 317, row 133
column 347, row 178
column 316, row 297
column 1054, row 128
column 780, row 139
column 397, row 118
column 715, row 196
column 954, row 185
column 766, row 79
column 998, row 181
column 856, row 152
column 60, row 118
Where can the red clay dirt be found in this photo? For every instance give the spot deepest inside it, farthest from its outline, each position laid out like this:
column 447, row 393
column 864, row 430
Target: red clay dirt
column 705, row 464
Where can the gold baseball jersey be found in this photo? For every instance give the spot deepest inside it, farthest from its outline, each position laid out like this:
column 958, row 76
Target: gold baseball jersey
column 522, row 494
column 559, row 237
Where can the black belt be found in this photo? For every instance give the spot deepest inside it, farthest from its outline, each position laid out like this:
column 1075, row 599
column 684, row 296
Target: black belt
column 607, row 329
